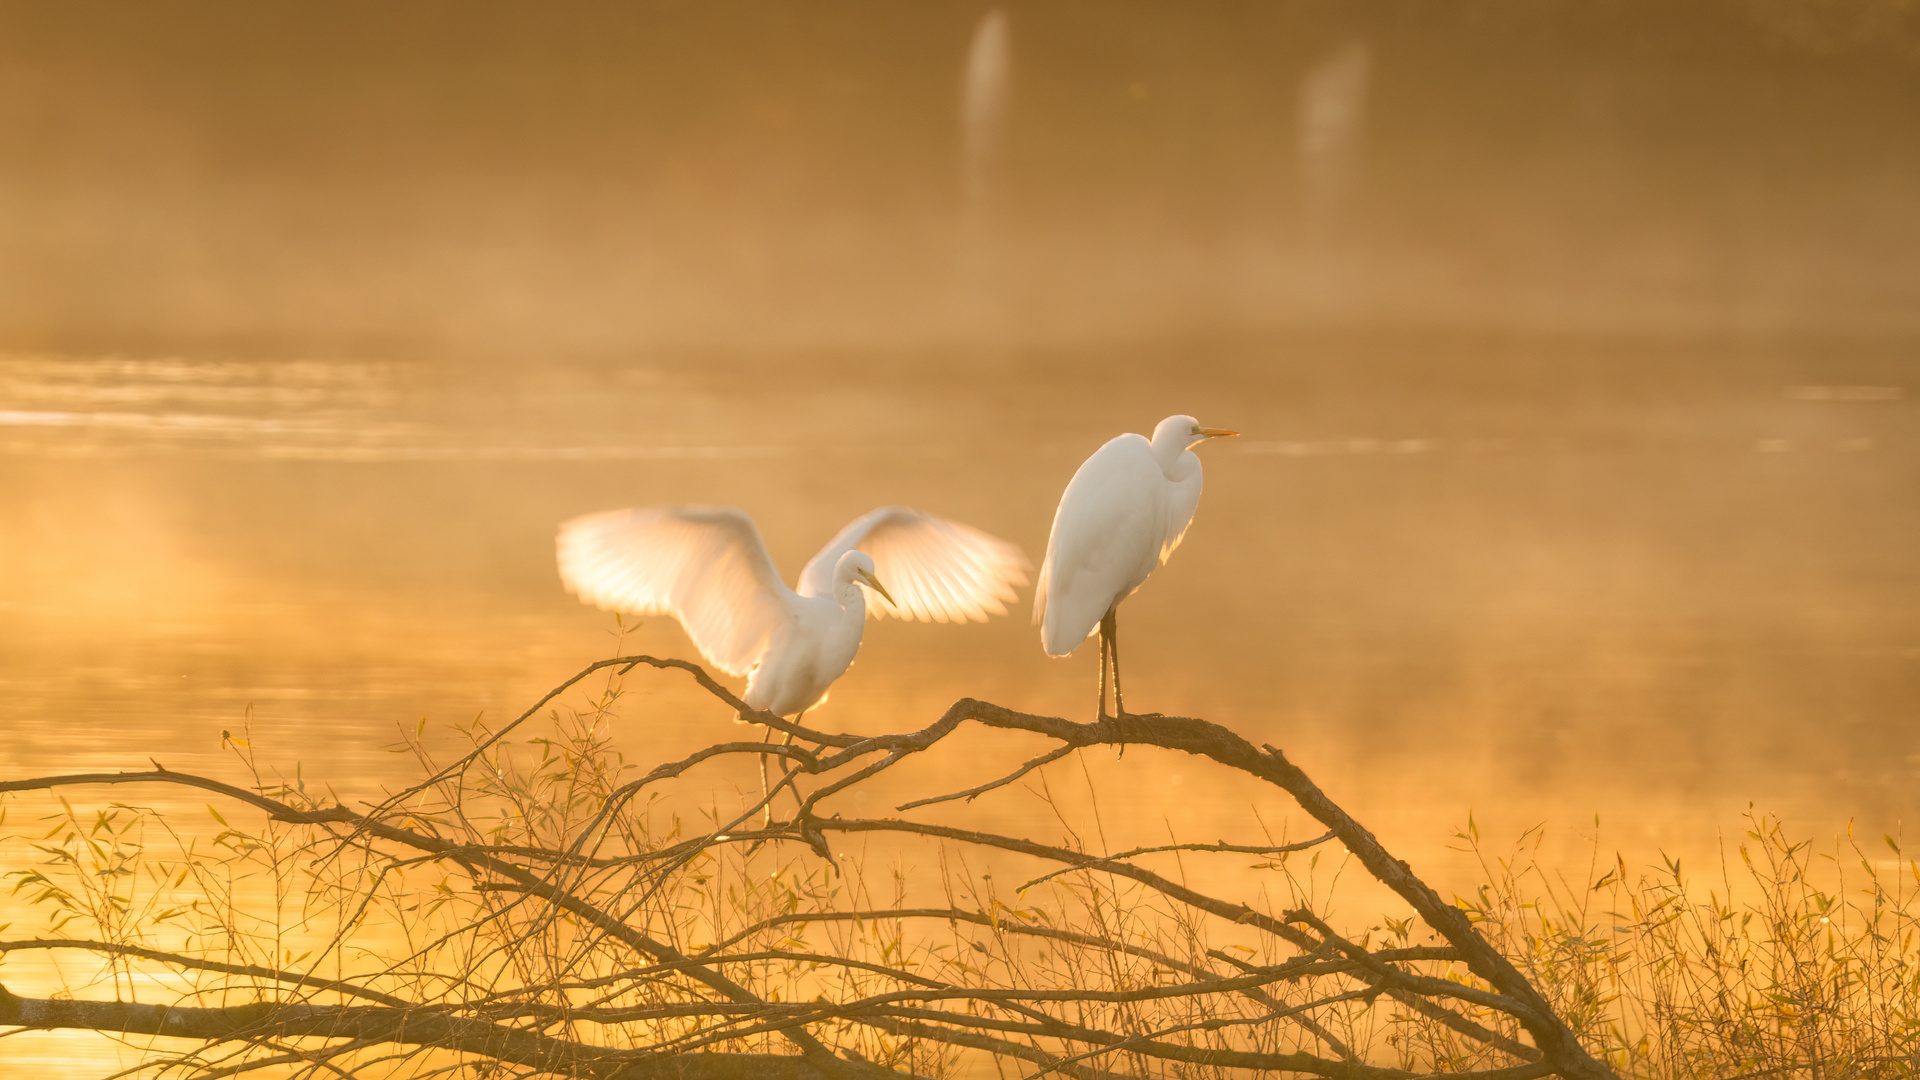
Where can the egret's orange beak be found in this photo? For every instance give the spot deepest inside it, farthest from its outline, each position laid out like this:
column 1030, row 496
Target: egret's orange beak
column 1216, row 432
column 877, row 587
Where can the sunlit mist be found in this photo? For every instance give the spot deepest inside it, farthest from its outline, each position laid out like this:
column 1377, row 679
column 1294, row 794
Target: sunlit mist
column 1573, row 351
column 984, row 94
column 1333, row 113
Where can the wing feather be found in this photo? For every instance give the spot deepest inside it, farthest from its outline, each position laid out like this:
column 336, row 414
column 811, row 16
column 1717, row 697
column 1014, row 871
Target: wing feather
column 937, row 570
column 705, row 565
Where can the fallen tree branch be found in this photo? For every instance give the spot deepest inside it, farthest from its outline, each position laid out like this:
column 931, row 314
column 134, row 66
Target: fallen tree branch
column 604, row 898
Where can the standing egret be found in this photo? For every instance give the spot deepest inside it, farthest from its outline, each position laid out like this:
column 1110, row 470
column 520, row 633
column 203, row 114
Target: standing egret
column 708, row 567
column 1123, row 513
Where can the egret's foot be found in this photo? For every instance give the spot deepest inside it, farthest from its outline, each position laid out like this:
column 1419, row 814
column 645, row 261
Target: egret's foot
column 1118, row 723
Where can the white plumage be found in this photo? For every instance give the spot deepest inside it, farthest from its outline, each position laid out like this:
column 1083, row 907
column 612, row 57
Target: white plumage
column 708, row 567
column 1123, row 513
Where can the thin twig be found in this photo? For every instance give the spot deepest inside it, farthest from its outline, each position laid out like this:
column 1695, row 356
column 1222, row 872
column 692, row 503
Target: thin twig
column 973, row 793
column 1243, row 849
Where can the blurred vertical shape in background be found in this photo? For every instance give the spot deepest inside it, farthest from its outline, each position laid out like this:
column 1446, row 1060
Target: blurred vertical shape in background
column 985, row 86
column 983, row 106
column 1333, row 117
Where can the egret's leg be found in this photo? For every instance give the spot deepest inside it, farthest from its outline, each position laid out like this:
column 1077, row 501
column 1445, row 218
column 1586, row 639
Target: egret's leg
column 1110, row 633
column 1100, row 690
column 766, row 785
column 1108, row 663
column 766, row 779
column 787, row 767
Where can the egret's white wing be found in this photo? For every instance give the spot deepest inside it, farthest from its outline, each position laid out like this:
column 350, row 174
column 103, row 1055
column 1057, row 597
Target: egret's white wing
column 1108, row 534
column 937, row 570
column 704, row 565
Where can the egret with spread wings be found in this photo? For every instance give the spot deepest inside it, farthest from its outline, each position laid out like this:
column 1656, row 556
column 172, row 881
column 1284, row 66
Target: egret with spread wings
column 708, row 567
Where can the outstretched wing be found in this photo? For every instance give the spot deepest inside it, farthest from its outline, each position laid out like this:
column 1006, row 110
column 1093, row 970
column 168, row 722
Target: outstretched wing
column 937, row 570
column 704, row 565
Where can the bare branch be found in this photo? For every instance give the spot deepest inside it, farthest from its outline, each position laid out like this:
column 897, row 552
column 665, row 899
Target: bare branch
column 112, row 948
column 575, row 851
column 973, row 793
column 1556, row 1041
column 1244, row 849
column 1236, row 913
column 415, row 1027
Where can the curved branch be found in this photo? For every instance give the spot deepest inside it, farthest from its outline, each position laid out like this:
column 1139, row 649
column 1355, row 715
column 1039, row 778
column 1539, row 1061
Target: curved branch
column 608, row 924
column 1419, row 984
column 1235, row 913
column 1556, row 1041
column 1243, row 849
column 150, row 776
column 265, row 1021
column 978, row 790
column 1511, row 992
column 975, row 1041
column 256, row 971
column 1233, row 1059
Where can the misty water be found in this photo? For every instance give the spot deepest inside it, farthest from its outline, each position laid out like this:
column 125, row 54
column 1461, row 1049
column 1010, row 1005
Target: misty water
column 1655, row 586
column 1573, row 349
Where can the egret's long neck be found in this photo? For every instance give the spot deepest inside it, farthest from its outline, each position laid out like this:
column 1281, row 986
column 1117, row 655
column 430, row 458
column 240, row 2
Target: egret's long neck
column 852, row 598
column 1171, row 454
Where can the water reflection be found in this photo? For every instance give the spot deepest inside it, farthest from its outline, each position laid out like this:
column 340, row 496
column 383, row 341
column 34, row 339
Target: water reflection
column 1558, row 588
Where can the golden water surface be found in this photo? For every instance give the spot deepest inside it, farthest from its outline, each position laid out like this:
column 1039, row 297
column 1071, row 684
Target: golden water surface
column 1574, row 359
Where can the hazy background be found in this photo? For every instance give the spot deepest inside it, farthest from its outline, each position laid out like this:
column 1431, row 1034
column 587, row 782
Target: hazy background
column 641, row 182
column 1574, row 345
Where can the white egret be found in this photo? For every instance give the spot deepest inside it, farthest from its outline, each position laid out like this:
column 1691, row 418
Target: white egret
column 1123, row 513
column 708, row 567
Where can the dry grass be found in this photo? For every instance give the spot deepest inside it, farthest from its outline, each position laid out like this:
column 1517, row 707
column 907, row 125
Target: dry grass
column 540, row 887
column 1785, row 960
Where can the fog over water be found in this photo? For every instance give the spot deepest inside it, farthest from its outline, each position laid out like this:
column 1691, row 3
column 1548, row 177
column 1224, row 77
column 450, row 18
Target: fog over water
column 1574, row 350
